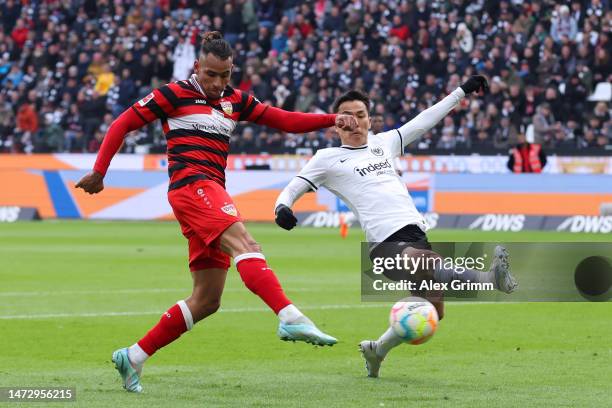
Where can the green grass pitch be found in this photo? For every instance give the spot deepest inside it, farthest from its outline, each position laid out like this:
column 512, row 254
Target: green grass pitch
column 72, row 292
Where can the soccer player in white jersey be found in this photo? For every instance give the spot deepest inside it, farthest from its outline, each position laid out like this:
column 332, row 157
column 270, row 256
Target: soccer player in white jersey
column 361, row 172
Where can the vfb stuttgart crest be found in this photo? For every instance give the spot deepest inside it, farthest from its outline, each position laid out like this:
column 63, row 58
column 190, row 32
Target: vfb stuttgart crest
column 377, row 151
column 230, row 209
column 227, row 107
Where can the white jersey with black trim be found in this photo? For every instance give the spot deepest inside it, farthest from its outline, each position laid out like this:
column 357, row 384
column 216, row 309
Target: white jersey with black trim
column 366, row 180
column 365, row 177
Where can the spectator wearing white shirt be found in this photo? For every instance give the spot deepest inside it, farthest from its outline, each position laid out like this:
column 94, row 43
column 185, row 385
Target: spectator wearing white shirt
column 183, row 57
column 563, row 25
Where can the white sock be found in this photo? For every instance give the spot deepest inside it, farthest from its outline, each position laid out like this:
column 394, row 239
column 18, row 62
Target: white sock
column 386, row 342
column 137, row 355
column 291, row 314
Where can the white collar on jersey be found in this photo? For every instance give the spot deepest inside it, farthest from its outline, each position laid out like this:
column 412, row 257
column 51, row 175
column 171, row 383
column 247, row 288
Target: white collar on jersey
column 193, row 79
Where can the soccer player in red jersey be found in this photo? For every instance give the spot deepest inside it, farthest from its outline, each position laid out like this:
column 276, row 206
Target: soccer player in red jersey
column 198, row 116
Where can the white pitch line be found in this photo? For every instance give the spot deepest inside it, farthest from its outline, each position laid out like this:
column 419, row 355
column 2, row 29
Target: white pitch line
column 68, row 315
column 88, row 292
column 230, row 310
column 137, row 291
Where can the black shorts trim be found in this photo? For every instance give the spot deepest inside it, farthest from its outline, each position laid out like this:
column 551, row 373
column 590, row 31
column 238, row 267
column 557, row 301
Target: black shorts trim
column 409, row 233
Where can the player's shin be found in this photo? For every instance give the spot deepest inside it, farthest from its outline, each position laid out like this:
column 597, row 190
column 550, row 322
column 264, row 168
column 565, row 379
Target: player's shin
column 432, row 265
column 449, row 274
column 498, row 274
column 173, row 323
column 261, row 280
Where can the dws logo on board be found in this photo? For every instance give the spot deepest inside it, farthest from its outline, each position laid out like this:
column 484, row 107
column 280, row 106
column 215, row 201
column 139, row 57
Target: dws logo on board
column 322, row 219
column 499, row 222
column 9, row 214
column 587, row 223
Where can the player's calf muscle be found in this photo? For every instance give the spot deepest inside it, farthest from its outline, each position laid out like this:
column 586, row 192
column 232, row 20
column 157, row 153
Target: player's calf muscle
column 207, row 291
column 203, row 303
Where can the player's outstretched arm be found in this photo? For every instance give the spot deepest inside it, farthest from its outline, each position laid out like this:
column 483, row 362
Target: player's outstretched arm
column 299, row 122
column 427, row 119
column 128, row 121
column 156, row 105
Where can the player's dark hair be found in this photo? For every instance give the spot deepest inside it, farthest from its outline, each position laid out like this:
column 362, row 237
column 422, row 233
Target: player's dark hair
column 352, row 95
column 213, row 42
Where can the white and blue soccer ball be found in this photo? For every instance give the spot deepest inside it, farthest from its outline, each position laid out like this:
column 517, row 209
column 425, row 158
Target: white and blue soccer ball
column 414, row 320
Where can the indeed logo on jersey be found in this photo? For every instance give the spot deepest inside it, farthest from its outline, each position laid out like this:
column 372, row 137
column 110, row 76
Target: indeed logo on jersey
column 364, row 171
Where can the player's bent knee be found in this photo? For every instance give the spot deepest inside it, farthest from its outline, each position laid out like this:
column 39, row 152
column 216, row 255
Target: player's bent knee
column 211, row 307
column 426, row 269
column 206, row 308
column 411, row 252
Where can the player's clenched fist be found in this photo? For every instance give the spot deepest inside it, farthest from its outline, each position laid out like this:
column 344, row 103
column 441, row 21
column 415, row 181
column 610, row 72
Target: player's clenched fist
column 476, row 83
column 285, row 218
column 92, row 182
column 346, row 122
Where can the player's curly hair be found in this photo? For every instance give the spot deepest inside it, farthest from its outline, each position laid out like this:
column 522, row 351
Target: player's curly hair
column 352, row 95
column 213, row 42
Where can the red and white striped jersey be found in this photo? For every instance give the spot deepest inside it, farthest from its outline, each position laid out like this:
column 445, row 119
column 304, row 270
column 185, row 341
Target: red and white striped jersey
column 197, row 129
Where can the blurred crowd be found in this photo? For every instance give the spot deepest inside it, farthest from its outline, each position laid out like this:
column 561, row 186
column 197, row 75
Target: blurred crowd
column 68, row 67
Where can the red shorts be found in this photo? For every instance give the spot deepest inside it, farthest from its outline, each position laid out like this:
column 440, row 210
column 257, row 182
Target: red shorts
column 205, row 211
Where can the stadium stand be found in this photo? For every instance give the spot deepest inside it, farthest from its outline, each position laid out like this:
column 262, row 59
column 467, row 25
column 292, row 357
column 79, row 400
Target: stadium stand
column 68, row 67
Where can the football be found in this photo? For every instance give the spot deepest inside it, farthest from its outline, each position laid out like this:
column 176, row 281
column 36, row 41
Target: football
column 414, row 319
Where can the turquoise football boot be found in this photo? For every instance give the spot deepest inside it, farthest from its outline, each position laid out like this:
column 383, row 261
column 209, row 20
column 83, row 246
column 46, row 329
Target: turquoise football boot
column 306, row 332
column 129, row 374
